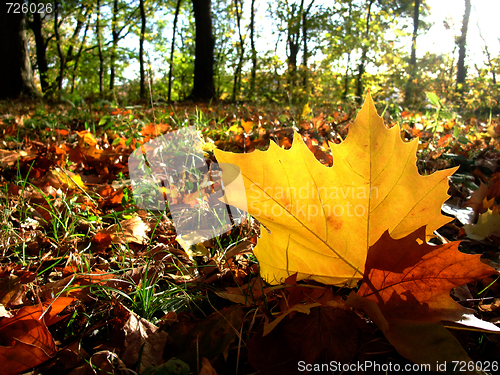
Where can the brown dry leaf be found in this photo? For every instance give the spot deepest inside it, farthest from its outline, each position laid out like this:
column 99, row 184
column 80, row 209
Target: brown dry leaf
column 495, row 306
column 12, row 291
column 191, row 338
column 326, row 334
column 29, row 342
column 406, row 291
column 206, row 368
column 141, row 336
column 130, row 230
column 488, row 224
column 247, row 294
column 476, row 200
column 9, row 158
column 494, row 188
column 4, row 313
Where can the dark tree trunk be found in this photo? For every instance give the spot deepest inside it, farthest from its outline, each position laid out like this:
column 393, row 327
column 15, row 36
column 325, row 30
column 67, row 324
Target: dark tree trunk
column 253, row 73
column 346, row 76
column 364, row 52
column 16, row 76
column 305, row 29
column 41, row 51
column 413, row 59
column 60, row 53
column 241, row 52
column 172, row 47
column 461, row 69
column 114, row 46
column 203, row 87
column 99, row 48
column 142, row 91
column 293, row 39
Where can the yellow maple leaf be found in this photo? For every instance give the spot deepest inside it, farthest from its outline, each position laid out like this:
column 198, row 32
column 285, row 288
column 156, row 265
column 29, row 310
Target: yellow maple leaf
column 322, row 220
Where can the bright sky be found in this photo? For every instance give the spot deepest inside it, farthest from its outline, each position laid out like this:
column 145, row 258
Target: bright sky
column 484, row 13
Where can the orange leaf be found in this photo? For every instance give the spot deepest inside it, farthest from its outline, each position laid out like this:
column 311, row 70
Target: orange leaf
column 87, row 137
column 29, row 341
column 406, row 292
column 412, row 281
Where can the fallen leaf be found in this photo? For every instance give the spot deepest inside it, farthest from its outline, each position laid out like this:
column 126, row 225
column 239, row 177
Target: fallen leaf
column 488, row 224
column 299, row 307
column 476, row 200
column 247, row 125
column 173, row 366
column 406, row 291
column 28, row 342
column 190, row 339
column 326, row 334
column 206, row 368
column 86, row 138
column 9, row 158
column 323, row 220
column 130, row 230
column 142, row 338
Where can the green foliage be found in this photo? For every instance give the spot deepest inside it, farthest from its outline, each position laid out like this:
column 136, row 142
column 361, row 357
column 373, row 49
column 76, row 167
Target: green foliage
column 348, row 43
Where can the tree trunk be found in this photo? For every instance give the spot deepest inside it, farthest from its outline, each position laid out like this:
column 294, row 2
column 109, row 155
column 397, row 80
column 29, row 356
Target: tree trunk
column 142, row 90
column 16, row 76
column 304, row 41
column 364, row 52
column 203, row 87
column 65, row 58
column 114, row 46
column 253, row 73
column 41, row 51
column 172, row 47
column 461, row 69
column 99, row 46
column 346, row 76
column 413, row 59
column 78, row 55
column 293, row 43
column 241, row 52
column 60, row 53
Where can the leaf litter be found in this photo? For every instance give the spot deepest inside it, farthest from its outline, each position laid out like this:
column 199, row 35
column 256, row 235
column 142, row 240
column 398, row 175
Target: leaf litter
column 75, row 249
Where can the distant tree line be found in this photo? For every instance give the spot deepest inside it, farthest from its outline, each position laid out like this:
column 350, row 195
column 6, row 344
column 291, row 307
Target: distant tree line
column 213, row 49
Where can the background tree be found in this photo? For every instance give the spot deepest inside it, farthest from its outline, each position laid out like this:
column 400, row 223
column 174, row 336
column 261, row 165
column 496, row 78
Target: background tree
column 203, row 85
column 172, row 49
column 364, row 51
column 461, row 42
column 16, row 76
column 253, row 72
column 41, row 44
column 142, row 79
column 120, row 28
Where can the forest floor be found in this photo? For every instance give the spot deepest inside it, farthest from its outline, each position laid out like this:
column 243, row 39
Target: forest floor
column 91, row 284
